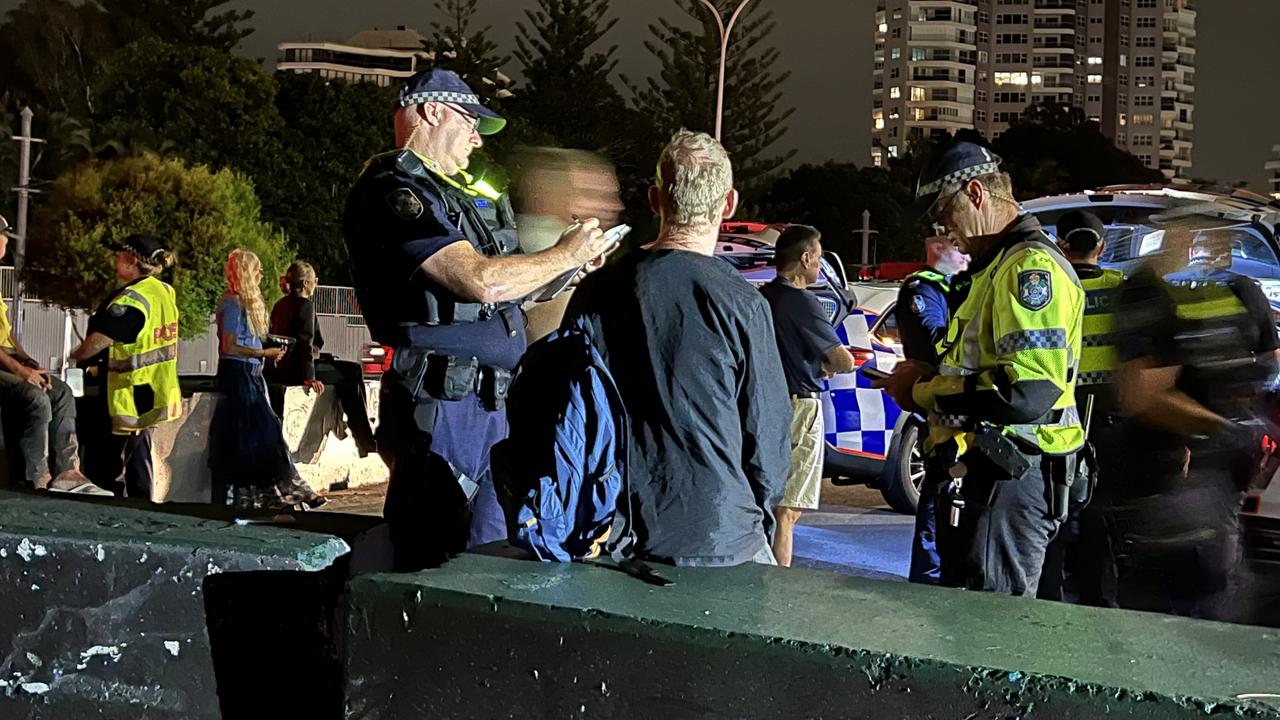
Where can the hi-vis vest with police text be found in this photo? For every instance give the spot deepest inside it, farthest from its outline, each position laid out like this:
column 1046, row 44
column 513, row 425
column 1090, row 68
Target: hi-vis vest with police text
column 1012, row 351
column 151, row 361
column 1100, row 357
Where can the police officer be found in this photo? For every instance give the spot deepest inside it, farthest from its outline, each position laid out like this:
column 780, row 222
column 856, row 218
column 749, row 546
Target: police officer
column 435, row 269
column 922, row 311
column 1103, row 467
column 130, row 357
column 1197, row 349
column 1004, row 391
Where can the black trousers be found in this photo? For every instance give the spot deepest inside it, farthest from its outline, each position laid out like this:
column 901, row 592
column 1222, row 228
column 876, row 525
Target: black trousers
column 1004, row 530
column 119, row 463
column 347, row 380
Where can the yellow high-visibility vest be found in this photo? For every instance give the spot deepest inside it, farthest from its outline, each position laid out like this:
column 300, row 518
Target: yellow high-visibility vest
column 1014, row 342
column 149, row 364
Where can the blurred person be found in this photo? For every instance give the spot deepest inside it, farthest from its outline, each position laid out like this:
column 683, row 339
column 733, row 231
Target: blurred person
column 690, row 345
column 923, row 311
column 1198, row 346
column 1081, row 235
column 1003, row 396
column 38, row 410
column 294, row 316
column 553, row 187
column 247, row 451
column 810, row 351
column 130, row 362
column 437, row 272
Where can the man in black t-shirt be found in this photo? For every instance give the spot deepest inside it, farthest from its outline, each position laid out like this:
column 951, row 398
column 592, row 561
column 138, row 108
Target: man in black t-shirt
column 810, row 351
column 690, row 345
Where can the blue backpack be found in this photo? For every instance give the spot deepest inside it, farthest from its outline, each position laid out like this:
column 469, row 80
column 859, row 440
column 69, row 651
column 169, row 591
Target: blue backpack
column 562, row 467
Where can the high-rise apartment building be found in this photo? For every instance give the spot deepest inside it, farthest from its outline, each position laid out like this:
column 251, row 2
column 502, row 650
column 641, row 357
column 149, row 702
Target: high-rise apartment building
column 1273, row 172
column 946, row 65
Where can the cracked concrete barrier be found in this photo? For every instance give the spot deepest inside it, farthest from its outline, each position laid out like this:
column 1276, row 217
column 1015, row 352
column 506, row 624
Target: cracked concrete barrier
column 114, row 612
column 488, row 637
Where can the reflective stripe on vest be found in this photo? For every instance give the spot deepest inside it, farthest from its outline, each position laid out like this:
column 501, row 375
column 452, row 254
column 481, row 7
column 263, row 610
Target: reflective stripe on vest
column 151, row 360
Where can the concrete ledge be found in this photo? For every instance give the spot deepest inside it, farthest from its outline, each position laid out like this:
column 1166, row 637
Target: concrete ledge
column 495, row 638
column 106, row 607
column 181, row 449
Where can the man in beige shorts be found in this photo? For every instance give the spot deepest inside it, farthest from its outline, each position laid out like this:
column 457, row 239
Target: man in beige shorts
column 810, row 352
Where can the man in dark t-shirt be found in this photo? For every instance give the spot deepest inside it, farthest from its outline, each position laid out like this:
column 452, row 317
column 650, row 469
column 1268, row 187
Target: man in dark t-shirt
column 690, row 345
column 810, row 351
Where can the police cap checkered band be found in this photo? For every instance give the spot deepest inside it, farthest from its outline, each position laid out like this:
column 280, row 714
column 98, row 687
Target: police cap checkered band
column 957, row 177
column 418, row 98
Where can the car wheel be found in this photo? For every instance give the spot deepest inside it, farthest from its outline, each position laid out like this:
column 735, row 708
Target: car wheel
column 904, row 470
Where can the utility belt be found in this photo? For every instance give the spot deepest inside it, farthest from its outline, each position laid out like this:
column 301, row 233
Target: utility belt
column 450, row 377
column 1010, row 459
column 448, row 312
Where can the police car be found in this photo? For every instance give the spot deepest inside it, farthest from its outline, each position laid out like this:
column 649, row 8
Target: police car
column 869, row 439
column 1137, row 217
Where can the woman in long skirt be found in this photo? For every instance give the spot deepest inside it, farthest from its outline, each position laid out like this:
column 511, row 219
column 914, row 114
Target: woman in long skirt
column 247, row 453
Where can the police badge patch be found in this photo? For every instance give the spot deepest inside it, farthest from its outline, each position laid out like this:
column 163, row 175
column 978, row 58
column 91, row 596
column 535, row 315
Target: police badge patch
column 405, row 203
column 917, row 304
column 1035, row 289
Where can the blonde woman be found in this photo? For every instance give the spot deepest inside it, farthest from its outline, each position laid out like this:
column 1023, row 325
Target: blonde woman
column 247, row 452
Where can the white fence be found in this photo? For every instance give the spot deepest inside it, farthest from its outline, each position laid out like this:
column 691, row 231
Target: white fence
column 50, row 332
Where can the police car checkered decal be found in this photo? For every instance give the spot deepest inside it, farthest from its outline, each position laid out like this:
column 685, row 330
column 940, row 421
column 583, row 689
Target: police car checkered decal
column 1055, row 339
column 859, row 418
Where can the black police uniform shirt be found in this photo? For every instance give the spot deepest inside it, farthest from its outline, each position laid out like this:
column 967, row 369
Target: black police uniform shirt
column 394, row 221
column 1147, row 326
column 921, row 312
column 119, row 323
column 690, row 345
column 803, row 333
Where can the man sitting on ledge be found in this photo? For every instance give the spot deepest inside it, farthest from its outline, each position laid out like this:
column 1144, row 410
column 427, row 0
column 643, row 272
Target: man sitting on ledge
column 40, row 410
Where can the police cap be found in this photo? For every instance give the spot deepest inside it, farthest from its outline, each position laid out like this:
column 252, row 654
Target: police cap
column 444, row 86
column 140, row 245
column 961, row 163
column 1080, row 230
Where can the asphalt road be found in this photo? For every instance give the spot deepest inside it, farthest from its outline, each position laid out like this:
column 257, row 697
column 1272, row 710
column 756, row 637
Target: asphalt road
column 854, row 532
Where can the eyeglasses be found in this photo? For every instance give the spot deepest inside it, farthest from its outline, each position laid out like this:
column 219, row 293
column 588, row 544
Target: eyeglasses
column 472, row 119
column 939, row 210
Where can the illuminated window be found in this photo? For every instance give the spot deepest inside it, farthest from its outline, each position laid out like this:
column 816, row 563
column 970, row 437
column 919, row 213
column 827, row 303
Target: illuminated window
column 878, row 118
column 917, row 94
column 884, row 28
column 893, row 151
column 1010, row 78
column 1143, row 119
column 895, row 92
column 1095, row 79
column 1095, row 60
column 895, row 53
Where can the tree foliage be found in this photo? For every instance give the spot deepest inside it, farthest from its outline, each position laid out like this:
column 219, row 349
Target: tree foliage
column 202, row 215
column 568, row 89
column 1055, row 149
column 469, row 52
column 336, row 126
column 204, row 23
column 832, row 197
column 684, row 92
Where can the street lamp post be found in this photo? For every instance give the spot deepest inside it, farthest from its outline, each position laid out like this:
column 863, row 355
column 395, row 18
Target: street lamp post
column 724, row 54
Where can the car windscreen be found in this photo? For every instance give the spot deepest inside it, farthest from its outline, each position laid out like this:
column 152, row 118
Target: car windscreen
column 1135, row 231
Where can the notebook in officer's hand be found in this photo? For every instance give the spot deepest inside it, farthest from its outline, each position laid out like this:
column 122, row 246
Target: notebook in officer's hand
column 549, row 291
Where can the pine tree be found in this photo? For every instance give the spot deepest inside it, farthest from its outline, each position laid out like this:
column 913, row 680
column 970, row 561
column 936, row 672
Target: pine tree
column 684, row 92
column 567, row 90
column 471, row 55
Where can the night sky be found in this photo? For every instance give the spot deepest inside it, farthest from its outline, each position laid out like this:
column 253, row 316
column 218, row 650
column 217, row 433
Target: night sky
column 827, row 46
